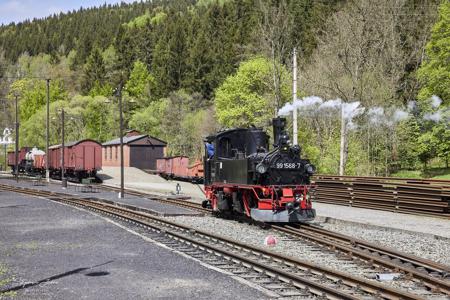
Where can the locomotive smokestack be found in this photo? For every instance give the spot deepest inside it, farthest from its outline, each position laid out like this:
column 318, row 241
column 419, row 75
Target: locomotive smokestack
column 279, row 125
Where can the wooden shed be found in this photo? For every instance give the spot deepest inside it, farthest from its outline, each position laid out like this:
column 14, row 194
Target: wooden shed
column 140, row 151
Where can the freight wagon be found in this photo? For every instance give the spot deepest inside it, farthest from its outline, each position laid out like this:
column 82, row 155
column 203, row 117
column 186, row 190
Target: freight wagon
column 177, row 167
column 82, row 159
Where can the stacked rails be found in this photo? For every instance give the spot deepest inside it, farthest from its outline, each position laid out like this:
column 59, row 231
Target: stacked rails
column 391, row 194
column 439, row 182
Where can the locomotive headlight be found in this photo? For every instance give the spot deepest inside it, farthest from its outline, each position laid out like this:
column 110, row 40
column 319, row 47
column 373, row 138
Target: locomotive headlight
column 261, row 168
column 310, row 169
column 298, row 198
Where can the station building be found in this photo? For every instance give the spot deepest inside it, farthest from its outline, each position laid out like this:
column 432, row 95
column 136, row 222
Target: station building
column 139, row 150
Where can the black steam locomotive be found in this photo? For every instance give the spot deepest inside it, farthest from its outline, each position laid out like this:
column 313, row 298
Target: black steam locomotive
column 244, row 178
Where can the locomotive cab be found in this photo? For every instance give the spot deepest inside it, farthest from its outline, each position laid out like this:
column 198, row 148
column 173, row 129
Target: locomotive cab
column 229, row 164
column 244, row 178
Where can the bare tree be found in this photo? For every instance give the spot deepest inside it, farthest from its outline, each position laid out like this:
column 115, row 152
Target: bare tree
column 274, row 34
column 366, row 53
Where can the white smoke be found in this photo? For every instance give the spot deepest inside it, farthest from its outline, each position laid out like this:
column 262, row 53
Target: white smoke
column 307, row 102
column 435, row 117
column 435, row 101
column 286, row 109
column 333, row 104
column 349, row 110
column 412, row 105
column 376, row 115
column 399, row 115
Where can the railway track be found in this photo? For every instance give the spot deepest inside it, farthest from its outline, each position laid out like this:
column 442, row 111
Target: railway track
column 285, row 275
column 432, row 274
column 182, row 202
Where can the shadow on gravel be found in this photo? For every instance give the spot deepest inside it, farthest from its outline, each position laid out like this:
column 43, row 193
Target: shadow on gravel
column 75, row 271
column 95, row 274
column 14, row 206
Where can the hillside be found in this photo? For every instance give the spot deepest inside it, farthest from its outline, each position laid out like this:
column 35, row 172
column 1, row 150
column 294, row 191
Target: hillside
column 188, row 68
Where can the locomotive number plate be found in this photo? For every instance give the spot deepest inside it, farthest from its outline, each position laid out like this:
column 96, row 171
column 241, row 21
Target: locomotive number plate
column 288, row 165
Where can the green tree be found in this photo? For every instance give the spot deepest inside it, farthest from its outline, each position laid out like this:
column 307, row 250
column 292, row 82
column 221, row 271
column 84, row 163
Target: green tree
column 98, row 117
column 140, row 83
column 248, row 97
column 149, row 120
column 434, row 74
column 33, row 95
column 94, row 71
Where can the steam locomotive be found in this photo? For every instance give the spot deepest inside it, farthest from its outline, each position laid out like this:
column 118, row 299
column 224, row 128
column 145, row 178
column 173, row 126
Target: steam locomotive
column 244, row 179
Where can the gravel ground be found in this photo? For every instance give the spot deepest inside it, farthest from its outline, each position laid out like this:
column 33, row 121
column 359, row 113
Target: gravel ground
column 428, row 225
column 155, row 206
column 255, row 236
column 423, row 245
column 53, row 251
column 140, row 180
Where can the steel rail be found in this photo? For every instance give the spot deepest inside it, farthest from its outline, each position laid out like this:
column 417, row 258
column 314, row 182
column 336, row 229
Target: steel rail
column 179, row 202
column 378, row 179
column 354, row 283
column 324, row 239
column 367, row 251
column 418, row 262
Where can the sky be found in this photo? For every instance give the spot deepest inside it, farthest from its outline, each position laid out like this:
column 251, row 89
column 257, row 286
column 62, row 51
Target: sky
column 19, row 10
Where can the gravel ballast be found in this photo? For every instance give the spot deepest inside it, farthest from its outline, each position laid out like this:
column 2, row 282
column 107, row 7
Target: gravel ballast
column 254, row 235
column 428, row 246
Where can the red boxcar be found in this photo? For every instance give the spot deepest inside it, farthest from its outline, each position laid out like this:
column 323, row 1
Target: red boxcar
column 82, row 159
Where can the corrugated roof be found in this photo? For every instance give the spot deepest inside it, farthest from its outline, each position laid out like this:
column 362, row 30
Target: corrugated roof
column 126, row 140
column 73, row 143
column 130, row 139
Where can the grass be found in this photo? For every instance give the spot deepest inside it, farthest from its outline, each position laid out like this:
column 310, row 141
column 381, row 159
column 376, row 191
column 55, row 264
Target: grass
column 407, row 174
column 4, row 280
column 433, row 173
column 446, row 176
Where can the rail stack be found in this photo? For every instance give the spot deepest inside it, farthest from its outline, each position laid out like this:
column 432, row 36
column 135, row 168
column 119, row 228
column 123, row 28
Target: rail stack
column 413, row 196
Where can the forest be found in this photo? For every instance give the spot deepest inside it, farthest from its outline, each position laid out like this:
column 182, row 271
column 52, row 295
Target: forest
column 186, row 69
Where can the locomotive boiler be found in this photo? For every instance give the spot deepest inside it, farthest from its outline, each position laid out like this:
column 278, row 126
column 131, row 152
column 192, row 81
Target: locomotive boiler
column 243, row 178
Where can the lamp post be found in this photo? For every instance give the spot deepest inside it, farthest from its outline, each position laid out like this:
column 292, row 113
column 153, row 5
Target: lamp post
column 63, row 179
column 47, row 136
column 119, row 94
column 122, row 172
column 16, row 162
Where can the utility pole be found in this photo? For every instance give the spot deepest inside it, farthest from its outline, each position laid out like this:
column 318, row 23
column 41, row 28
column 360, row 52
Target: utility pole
column 63, row 179
column 121, row 195
column 17, row 142
column 343, row 137
column 47, row 136
column 294, row 98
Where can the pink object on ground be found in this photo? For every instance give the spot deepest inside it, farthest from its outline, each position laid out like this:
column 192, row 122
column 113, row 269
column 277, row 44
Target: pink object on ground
column 270, row 240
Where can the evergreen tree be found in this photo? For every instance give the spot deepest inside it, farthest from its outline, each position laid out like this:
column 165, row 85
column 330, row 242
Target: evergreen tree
column 94, row 72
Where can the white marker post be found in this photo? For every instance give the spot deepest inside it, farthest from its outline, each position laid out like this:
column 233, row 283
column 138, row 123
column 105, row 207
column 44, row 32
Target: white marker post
column 6, row 140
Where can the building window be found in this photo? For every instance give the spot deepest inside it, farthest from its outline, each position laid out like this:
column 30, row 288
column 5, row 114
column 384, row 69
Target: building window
column 106, row 153
column 110, row 152
column 117, row 150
